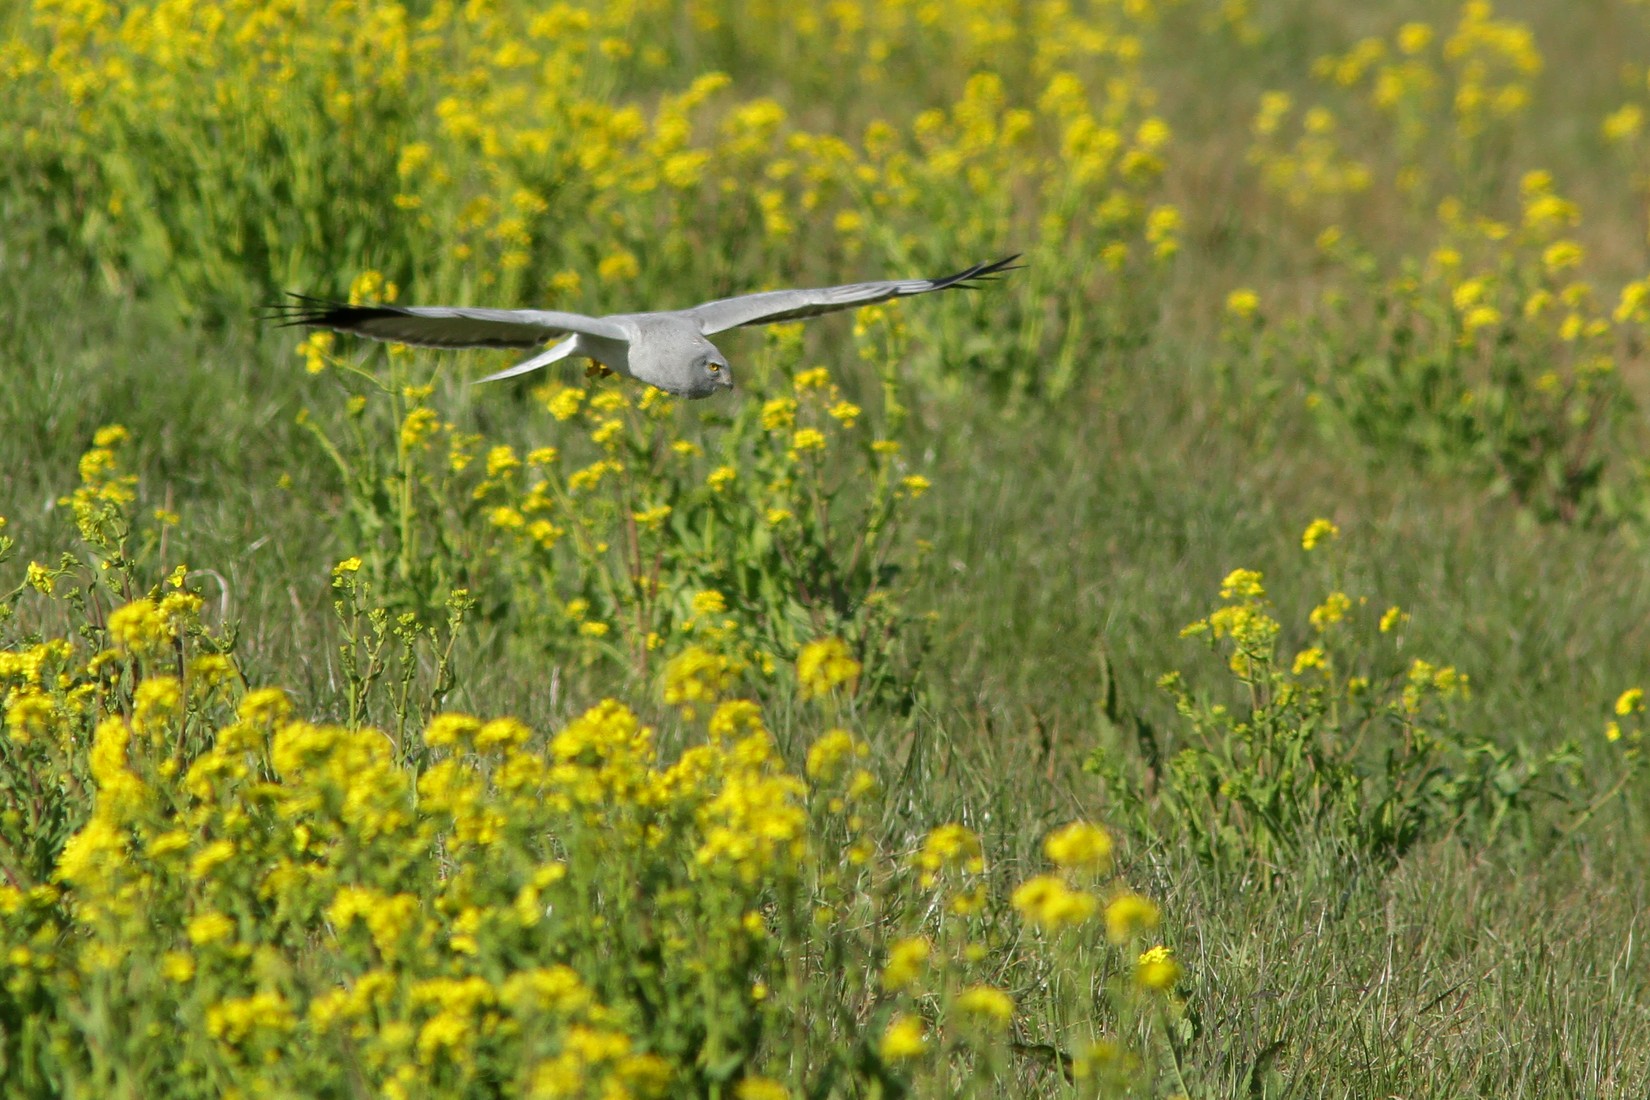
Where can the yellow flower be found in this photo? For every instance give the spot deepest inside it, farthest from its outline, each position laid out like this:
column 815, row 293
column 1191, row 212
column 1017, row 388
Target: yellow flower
column 915, row 485
column 825, row 665
column 266, row 706
column 815, row 379
column 1414, row 37
column 1561, row 255
column 987, row 1004
column 1309, row 658
column 1156, row 969
column 564, row 402
column 778, row 413
column 506, row 518
column 210, row 858
column 709, row 602
column 1242, row 303
column 1623, row 124
column 807, row 439
column 906, row 961
column 1629, row 701
column 314, row 349
column 1078, row 845
column 1242, row 584
column 1479, row 317
column 1129, row 915
column 696, row 675
column 1049, row 903
column 618, row 267
column 903, row 1040
column 1317, row 531
column 1152, row 135
column 950, row 845
column 826, row 755
column 418, row 426
column 652, row 518
column 760, row 1088
column 209, row 928
column 1333, row 610
column 139, row 626
column 176, row 966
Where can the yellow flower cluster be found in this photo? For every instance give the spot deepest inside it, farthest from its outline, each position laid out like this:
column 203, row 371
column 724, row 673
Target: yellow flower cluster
column 486, row 119
column 298, row 888
column 611, row 542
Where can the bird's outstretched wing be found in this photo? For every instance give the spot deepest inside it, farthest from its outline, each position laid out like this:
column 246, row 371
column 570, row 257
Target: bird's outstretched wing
column 444, row 326
column 774, row 306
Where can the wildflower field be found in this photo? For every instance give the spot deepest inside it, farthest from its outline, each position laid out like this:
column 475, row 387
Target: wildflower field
column 1207, row 662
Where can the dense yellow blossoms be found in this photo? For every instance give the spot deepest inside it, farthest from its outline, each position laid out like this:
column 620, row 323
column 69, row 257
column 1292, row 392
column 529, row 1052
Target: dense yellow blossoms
column 430, row 910
column 526, row 152
column 572, row 911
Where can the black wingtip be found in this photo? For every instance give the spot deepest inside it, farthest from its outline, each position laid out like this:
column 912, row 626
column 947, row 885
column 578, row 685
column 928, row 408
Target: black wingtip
column 306, row 310
column 979, row 274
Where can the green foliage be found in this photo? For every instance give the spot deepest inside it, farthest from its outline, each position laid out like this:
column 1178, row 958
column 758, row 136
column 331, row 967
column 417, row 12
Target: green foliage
column 137, row 622
column 1344, row 746
column 1509, row 373
column 629, row 542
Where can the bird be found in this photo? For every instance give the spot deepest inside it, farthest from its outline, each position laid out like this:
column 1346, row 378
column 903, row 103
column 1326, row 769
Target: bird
column 668, row 349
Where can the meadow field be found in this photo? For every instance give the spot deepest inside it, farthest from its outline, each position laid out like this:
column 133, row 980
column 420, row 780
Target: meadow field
column 1207, row 661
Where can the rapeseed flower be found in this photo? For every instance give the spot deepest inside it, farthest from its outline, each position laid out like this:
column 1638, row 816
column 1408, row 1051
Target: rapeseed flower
column 1047, row 902
column 697, row 675
column 988, row 1005
column 1128, row 916
column 1079, row 846
column 1317, row 531
column 139, row 627
column 1242, row 304
column 903, row 1040
column 907, row 959
column 209, row 927
column 1156, row 969
column 824, row 666
column 828, row 754
column 760, row 1088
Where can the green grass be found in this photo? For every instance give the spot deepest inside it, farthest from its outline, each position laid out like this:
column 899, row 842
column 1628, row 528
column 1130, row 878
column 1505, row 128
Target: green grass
column 1072, row 541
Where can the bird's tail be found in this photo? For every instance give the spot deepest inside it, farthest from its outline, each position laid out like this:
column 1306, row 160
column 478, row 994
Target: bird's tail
column 542, row 359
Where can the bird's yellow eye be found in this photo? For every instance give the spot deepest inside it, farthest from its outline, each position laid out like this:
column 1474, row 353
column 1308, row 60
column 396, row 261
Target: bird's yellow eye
column 714, row 368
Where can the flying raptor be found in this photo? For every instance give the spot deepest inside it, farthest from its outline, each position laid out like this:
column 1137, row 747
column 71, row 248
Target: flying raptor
column 668, row 349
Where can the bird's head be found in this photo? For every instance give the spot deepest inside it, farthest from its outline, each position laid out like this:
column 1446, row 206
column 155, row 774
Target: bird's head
column 672, row 354
column 718, row 373
column 708, row 373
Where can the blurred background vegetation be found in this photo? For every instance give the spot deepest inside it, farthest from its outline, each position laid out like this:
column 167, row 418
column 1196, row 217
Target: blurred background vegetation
column 1383, row 264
